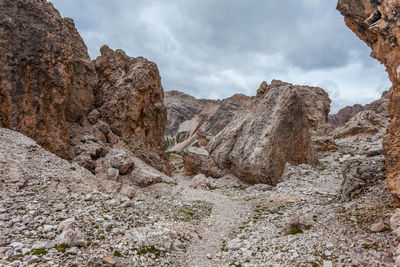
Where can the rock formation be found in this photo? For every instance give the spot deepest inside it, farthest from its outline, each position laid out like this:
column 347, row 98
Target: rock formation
column 317, row 104
column 361, row 173
column 345, row 114
column 183, row 107
column 197, row 160
column 46, row 76
column 228, row 109
column 129, row 98
column 51, row 91
column 363, row 123
column 376, row 23
column 188, row 117
column 256, row 145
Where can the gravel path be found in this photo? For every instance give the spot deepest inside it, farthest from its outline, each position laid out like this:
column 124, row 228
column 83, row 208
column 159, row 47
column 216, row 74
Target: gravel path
column 226, row 216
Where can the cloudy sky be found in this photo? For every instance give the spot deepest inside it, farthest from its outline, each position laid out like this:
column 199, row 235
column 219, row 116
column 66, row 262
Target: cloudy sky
column 216, row 48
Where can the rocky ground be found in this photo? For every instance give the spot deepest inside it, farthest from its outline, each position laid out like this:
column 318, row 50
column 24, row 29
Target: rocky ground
column 196, row 222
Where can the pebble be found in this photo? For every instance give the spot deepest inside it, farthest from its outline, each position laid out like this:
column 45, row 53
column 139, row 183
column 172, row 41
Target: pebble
column 327, row 264
column 378, row 227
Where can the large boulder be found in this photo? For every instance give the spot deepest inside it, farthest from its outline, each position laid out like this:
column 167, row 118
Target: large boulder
column 360, row 173
column 275, row 130
column 197, row 160
column 376, row 23
column 130, row 99
column 46, row 75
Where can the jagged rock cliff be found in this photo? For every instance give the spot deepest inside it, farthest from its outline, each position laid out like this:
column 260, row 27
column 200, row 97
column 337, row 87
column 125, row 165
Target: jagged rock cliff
column 377, row 24
column 182, row 107
column 51, row 91
column 46, row 75
column 129, row 98
column 188, row 117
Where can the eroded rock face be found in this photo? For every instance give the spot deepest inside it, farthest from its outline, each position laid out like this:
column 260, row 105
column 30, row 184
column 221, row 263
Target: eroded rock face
column 46, row 75
column 345, row 114
column 364, row 123
column 189, row 117
column 228, row 109
column 376, row 23
column 361, row 173
column 182, row 107
column 317, row 104
column 130, row 99
column 197, row 160
column 256, row 145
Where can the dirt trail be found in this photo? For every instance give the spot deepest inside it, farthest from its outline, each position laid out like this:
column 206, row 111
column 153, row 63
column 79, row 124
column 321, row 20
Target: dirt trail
column 226, row 216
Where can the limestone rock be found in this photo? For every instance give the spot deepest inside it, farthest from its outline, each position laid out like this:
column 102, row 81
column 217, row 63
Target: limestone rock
column 188, row 117
column 197, row 160
column 360, row 173
column 345, row 114
column 182, row 107
column 122, row 166
column 325, row 144
column 70, row 234
column 130, row 100
column 46, row 75
column 376, row 23
column 364, row 123
column 201, row 181
column 228, row 109
column 317, row 104
column 256, row 145
column 378, row 227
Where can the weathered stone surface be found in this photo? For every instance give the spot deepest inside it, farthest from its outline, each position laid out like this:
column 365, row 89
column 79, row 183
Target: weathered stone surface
column 228, row 109
column 46, row 75
column 376, row 23
column 70, row 234
column 130, row 99
column 317, row 104
column 182, row 107
column 188, row 116
column 364, row 123
column 197, row 160
column 360, row 173
column 256, row 145
column 345, row 114
column 324, row 144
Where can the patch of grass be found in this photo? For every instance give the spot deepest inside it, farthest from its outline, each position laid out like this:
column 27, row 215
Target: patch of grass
column 62, row 247
column 149, row 250
column 73, row 168
column 117, row 253
column 39, row 251
column 295, row 231
column 374, row 246
column 187, row 212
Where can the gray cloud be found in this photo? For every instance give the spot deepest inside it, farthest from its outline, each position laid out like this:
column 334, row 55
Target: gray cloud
column 215, row 48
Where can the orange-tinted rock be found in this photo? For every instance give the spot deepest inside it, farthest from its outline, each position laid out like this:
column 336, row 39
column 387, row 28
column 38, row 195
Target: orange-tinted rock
column 256, row 145
column 130, row 99
column 46, row 75
column 376, row 22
